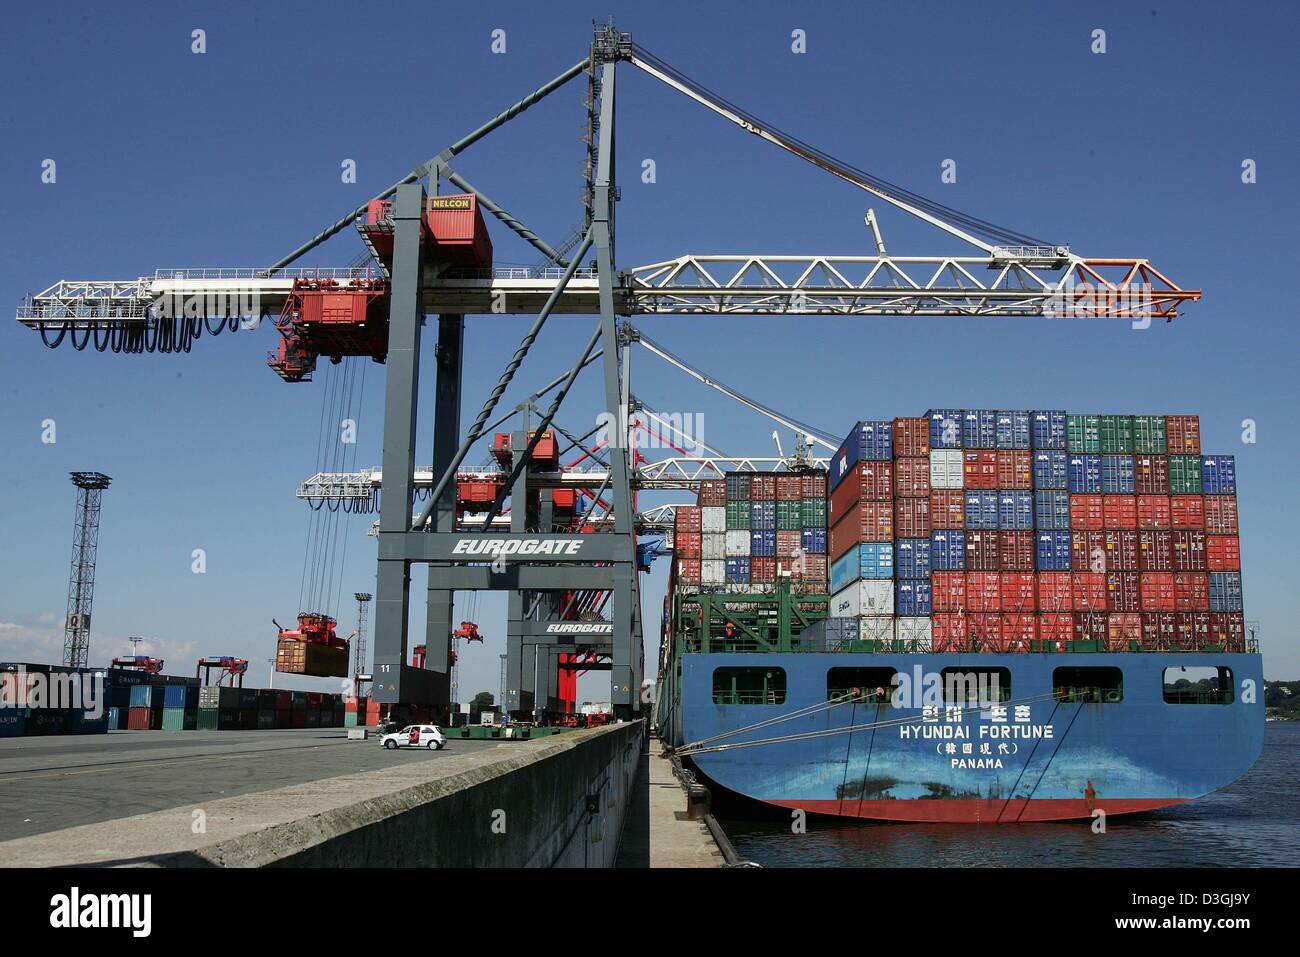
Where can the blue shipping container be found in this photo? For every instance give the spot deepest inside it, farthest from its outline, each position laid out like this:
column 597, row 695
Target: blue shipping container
column 762, row 514
column 13, row 722
column 945, row 428
column 1085, row 474
column 1015, row 510
column 141, row 696
column 762, row 544
column 1225, row 591
column 181, row 696
column 1013, row 430
column 1050, row 430
column 1117, row 475
column 1219, row 474
column 981, row 510
column 979, row 429
column 1052, row 510
column 912, row 558
column 1052, row 551
column 738, row 570
column 1050, row 470
column 948, row 551
column 912, row 598
column 114, row 719
column 869, row 441
column 872, row 560
column 813, row 541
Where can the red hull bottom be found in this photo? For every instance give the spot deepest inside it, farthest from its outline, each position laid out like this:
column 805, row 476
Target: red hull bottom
column 977, row 811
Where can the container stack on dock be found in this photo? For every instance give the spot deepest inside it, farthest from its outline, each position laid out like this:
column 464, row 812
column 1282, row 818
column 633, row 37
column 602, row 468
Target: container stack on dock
column 751, row 529
column 981, row 530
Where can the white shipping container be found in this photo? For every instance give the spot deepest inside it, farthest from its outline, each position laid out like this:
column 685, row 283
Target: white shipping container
column 863, row 597
column 877, row 628
column 713, row 545
column 913, row 634
column 713, row 518
column 713, row 571
column 738, row 543
column 946, row 468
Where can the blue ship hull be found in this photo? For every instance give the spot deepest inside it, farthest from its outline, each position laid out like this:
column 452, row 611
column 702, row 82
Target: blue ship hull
column 1042, row 759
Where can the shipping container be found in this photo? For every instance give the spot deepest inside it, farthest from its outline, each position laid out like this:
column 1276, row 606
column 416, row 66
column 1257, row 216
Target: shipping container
column 1221, row 514
column 1090, row 630
column 1085, row 474
column 1051, row 509
column 1051, row 470
column 1049, row 430
column 1151, row 474
column 1153, row 512
column 863, row 597
column 871, row 560
column 1149, row 435
column 1225, row 591
column 948, row 550
column 1121, row 550
column 1015, row 510
column 1052, row 551
column 1118, row 476
column 981, row 510
column 713, row 518
column 1016, row 551
column 913, row 597
column 946, row 468
column 980, row 469
column 982, row 552
column 736, row 543
column 866, row 522
column 1056, row 630
column 1185, row 475
column 788, row 543
column 812, row 513
column 983, row 591
column 737, row 571
column 1123, row 593
column 945, row 429
column 1013, row 430
column 813, row 484
column 738, row 515
column 1088, row 590
column 1123, row 632
column 1157, row 591
column 813, row 540
column 1086, row 513
column 948, row 591
column 871, row 440
column 1088, row 551
column 686, row 544
column 762, row 488
column 948, row 509
column 1222, row 553
column 912, row 518
column 762, row 570
column 912, row 477
column 713, row 546
column 738, row 486
column 1116, row 432
column 1156, row 551
column 911, row 437
column 1191, row 591
column 686, row 518
column 713, row 494
column 1016, row 592
column 912, row 635
column 912, row 558
column 1119, row 511
column 789, row 515
column 866, row 482
column 762, row 543
column 1183, row 434
column 950, row 632
column 1187, row 511
column 1084, row 433
column 1015, row 469
column 762, row 512
column 979, row 429
column 789, row 488
column 713, row 571
column 1219, row 474
column 1189, row 550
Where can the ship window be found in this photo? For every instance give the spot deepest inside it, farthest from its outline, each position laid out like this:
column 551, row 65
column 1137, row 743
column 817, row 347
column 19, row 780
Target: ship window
column 865, row 685
column 1088, row 685
column 1198, row 685
column 976, row 685
column 749, row 686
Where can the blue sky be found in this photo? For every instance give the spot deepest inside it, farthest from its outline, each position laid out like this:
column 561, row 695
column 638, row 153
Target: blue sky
column 230, row 158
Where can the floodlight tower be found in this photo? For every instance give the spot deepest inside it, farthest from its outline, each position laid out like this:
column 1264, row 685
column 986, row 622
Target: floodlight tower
column 81, row 581
column 363, row 602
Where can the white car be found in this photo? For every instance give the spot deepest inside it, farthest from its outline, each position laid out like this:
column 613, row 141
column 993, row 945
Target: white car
column 416, row 736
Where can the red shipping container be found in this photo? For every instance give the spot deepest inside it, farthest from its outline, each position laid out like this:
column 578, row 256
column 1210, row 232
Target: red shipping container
column 948, row 508
column 1151, row 474
column 1158, row 631
column 1156, row 551
column 1086, row 513
column 982, row 552
column 980, row 469
column 1121, row 551
column 762, row 487
column 688, row 571
column 912, row 517
column 713, row 492
column 687, row 518
column 912, row 477
column 1015, row 469
column 911, row 437
column 948, row 591
column 1056, row 629
column 1183, row 433
column 1187, row 511
column 1016, row 551
column 1157, row 590
column 687, row 544
column 1088, row 591
column 1018, row 632
column 788, row 543
column 137, row 719
column 1123, row 632
column 1221, row 514
column 1222, row 553
column 1122, row 592
column 866, row 522
column 1199, row 622
column 1153, row 511
column 1189, row 550
column 1228, row 630
column 1088, row 551
column 985, row 632
column 1184, row 634
column 1016, row 591
column 812, row 484
column 1090, row 626
column 789, row 488
column 866, row 482
column 1055, row 592
column 983, row 591
column 1119, row 511
column 949, row 632
column 809, row 569
column 762, row 571
column 1191, row 591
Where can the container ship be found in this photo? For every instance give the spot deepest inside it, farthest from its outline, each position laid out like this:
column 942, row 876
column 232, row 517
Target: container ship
column 968, row 616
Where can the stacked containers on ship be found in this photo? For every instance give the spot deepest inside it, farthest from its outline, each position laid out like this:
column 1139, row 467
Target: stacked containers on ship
column 180, row 707
column 914, row 525
column 861, row 514
column 218, row 709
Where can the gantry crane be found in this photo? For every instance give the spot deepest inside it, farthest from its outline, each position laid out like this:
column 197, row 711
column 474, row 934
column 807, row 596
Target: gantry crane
column 430, row 254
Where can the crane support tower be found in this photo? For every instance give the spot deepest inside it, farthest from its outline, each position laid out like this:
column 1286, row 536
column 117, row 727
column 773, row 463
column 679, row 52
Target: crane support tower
column 359, row 665
column 571, row 573
column 81, row 580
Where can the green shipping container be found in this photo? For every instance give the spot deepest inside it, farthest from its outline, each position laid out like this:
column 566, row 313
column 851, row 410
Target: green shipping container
column 738, row 515
column 1116, row 433
column 1083, row 433
column 349, row 719
column 265, row 719
column 788, row 518
column 214, row 719
column 812, row 513
column 174, row 720
column 1149, row 436
column 1184, row 475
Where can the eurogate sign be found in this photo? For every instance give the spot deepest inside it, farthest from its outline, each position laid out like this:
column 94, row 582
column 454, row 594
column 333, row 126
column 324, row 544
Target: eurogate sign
column 484, row 546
